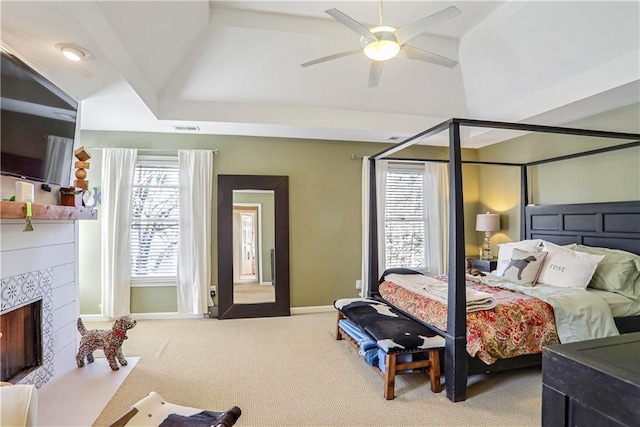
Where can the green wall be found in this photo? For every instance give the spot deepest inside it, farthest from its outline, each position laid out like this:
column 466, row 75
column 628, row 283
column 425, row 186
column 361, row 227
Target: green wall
column 325, row 208
column 325, row 199
column 607, row 177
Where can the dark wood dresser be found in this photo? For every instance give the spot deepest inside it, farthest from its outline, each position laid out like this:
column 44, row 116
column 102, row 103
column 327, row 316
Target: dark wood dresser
column 592, row 383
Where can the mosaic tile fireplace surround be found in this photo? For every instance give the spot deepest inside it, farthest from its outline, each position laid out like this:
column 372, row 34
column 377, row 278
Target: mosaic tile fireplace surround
column 20, row 290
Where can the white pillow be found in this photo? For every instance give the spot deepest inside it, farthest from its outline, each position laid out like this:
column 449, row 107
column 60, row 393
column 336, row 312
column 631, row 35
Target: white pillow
column 505, row 249
column 567, row 268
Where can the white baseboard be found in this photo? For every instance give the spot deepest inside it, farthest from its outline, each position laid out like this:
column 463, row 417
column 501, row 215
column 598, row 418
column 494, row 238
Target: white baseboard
column 143, row 316
column 166, row 316
column 158, row 316
column 93, row 318
column 312, row 309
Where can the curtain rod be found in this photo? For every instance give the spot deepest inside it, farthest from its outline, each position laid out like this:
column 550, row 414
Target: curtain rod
column 154, row 150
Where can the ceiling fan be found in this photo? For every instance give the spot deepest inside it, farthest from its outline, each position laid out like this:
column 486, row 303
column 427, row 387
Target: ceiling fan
column 382, row 43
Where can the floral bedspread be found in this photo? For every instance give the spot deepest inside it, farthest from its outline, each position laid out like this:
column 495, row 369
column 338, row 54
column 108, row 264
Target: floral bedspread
column 519, row 324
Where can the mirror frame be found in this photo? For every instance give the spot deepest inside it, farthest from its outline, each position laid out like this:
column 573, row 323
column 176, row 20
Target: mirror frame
column 227, row 309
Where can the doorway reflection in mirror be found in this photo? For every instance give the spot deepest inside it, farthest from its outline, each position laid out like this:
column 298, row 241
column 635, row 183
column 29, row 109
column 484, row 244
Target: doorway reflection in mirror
column 253, row 242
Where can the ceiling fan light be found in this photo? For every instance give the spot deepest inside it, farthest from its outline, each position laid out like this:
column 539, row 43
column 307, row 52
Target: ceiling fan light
column 381, row 50
column 384, row 47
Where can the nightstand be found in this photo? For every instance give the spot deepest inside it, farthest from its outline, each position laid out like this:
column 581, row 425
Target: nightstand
column 487, row 265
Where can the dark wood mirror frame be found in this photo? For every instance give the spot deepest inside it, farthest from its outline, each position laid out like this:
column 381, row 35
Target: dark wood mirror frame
column 227, row 309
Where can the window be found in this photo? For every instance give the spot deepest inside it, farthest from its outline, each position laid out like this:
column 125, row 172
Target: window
column 405, row 217
column 154, row 226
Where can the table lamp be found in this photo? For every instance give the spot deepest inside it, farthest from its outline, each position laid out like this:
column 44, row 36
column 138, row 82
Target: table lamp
column 487, row 222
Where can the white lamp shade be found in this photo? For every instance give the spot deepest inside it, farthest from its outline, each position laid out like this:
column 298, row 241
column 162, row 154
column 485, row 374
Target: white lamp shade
column 487, row 222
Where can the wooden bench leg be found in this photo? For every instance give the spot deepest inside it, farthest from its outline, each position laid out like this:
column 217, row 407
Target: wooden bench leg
column 434, row 371
column 338, row 334
column 390, row 377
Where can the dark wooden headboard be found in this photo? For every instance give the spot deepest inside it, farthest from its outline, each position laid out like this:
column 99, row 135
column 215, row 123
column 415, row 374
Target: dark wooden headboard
column 614, row 225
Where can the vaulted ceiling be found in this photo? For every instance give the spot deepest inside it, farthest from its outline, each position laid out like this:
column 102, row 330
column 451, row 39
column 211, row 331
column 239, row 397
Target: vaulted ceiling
column 233, row 67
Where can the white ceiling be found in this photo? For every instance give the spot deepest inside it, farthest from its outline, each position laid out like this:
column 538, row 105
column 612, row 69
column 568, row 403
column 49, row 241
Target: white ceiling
column 233, row 67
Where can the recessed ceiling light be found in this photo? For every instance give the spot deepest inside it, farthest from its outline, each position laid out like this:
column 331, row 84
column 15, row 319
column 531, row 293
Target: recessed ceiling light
column 73, row 52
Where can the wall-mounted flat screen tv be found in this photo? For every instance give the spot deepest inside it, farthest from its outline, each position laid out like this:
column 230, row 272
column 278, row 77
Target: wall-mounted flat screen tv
column 38, row 125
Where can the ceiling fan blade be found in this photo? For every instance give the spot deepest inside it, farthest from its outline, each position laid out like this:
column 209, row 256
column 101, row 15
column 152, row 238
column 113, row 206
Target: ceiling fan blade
column 374, row 73
column 330, row 57
column 405, row 34
column 412, row 52
column 352, row 24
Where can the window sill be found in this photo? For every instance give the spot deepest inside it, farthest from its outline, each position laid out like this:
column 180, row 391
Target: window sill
column 154, row 283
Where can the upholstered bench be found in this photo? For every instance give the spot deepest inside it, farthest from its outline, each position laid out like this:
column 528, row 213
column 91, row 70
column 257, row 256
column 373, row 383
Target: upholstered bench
column 405, row 344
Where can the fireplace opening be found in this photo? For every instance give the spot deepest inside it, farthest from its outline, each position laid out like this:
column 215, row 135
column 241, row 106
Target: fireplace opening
column 21, row 342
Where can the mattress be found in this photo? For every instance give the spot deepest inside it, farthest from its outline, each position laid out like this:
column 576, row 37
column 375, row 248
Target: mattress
column 620, row 305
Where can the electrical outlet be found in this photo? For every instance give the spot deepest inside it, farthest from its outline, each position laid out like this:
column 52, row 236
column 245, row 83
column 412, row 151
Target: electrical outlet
column 358, row 284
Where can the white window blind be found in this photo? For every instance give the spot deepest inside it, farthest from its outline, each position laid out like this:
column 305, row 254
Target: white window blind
column 154, row 226
column 405, row 217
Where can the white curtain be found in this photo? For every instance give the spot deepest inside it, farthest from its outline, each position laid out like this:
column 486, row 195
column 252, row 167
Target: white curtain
column 365, row 277
column 118, row 166
column 437, row 204
column 381, row 196
column 194, row 253
column 58, row 161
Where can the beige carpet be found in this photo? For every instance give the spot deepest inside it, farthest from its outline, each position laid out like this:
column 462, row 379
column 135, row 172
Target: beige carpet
column 290, row 371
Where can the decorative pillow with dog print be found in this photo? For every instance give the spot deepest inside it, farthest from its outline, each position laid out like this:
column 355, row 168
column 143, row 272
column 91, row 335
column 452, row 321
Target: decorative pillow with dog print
column 567, row 268
column 505, row 249
column 524, row 267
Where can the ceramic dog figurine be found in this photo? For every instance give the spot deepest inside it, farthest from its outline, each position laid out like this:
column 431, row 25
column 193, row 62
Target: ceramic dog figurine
column 108, row 340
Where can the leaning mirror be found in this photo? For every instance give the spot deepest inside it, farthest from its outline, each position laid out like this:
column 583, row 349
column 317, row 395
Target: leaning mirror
column 253, row 246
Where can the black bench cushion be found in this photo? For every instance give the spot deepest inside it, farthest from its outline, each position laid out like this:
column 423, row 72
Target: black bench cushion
column 399, row 270
column 393, row 331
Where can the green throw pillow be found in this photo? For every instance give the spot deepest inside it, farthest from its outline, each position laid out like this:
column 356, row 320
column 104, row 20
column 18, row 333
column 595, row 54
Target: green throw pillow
column 618, row 272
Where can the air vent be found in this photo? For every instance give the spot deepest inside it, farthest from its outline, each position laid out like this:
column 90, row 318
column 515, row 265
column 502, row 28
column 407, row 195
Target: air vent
column 190, row 128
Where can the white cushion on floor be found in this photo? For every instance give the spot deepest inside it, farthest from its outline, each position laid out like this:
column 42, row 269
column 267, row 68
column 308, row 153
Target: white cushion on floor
column 19, row 405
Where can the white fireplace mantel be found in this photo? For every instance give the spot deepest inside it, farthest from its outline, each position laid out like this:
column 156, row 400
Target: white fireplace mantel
column 43, row 263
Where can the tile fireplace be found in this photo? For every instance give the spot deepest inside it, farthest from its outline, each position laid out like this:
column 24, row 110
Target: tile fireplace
column 21, row 345
column 25, row 299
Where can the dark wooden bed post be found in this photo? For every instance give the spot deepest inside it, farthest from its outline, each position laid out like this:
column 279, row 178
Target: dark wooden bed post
column 457, row 365
column 373, row 229
column 524, row 201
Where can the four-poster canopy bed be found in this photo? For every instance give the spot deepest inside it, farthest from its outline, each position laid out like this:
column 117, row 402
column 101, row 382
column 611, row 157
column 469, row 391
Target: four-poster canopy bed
column 609, row 225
